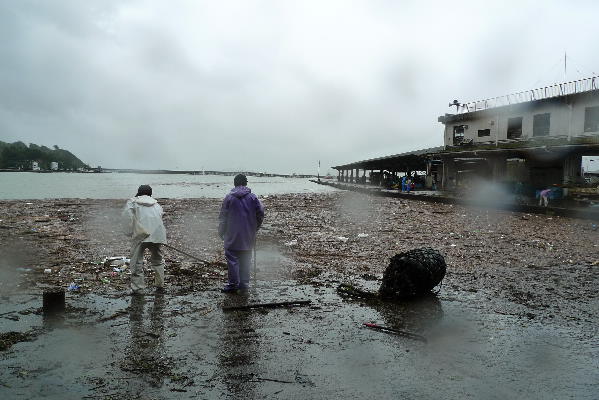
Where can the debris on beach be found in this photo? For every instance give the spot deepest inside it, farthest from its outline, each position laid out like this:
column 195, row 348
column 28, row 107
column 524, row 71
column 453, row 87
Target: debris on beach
column 8, row 339
column 115, row 261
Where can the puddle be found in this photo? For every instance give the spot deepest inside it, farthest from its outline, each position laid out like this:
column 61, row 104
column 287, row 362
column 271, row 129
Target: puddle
column 165, row 346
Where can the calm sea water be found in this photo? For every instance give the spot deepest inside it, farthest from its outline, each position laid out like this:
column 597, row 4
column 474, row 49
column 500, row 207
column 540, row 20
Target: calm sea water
column 31, row 185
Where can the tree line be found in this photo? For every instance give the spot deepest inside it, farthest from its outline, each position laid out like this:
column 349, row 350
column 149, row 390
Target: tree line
column 18, row 155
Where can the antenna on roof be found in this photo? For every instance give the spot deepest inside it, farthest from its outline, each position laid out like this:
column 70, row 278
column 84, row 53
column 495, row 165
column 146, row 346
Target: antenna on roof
column 565, row 67
column 456, row 104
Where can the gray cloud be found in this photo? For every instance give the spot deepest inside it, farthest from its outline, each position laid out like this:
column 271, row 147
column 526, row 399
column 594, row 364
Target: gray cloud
column 268, row 85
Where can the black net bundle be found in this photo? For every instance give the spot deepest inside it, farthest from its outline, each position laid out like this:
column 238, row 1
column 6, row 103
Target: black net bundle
column 413, row 273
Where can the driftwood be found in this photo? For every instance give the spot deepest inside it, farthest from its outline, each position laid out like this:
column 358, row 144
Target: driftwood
column 385, row 329
column 353, row 291
column 267, row 305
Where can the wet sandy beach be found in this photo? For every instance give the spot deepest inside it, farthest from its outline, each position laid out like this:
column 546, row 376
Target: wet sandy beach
column 516, row 316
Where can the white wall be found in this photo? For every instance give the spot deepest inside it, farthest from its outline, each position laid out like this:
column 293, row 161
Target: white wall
column 563, row 121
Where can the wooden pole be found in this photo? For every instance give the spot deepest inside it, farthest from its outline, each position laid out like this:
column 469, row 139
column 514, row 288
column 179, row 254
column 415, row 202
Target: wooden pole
column 268, row 305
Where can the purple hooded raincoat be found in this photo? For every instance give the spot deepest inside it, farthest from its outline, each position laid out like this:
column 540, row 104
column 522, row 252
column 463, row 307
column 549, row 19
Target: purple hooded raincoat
column 240, row 217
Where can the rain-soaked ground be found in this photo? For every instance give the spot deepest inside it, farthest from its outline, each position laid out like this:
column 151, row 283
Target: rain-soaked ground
column 518, row 322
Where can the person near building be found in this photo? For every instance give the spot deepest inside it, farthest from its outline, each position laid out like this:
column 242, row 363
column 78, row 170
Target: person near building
column 544, row 197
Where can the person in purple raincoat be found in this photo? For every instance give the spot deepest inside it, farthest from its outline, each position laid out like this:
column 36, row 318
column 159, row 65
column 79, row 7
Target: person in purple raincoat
column 240, row 218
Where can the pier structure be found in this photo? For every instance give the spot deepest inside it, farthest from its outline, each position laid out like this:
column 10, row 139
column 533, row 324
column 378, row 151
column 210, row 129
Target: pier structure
column 535, row 138
column 372, row 171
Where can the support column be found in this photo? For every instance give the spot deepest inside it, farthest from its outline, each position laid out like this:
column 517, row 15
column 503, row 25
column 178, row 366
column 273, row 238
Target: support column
column 449, row 174
column 351, row 177
column 572, row 166
column 498, row 166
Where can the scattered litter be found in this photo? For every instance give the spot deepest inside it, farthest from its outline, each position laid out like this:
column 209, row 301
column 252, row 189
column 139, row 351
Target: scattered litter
column 116, row 315
column 47, row 271
column 115, row 261
column 363, row 235
column 342, row 238
column 73, row 287
column 23, row 269
column 291, row 243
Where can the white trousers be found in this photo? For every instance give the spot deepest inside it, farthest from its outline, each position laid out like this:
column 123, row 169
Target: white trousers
column 137, row 265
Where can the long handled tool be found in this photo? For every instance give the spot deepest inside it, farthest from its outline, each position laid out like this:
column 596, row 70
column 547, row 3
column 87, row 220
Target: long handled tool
column 187, row 254
column 255, row 277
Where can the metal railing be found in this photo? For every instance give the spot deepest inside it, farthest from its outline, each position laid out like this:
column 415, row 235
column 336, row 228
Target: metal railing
column 547, row 92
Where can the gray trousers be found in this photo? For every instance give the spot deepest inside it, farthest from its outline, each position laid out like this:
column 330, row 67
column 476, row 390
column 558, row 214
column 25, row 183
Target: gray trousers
column 137, row 265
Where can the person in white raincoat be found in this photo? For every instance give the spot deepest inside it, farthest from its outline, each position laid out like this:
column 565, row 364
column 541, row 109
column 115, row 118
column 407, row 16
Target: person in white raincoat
column 146, row 229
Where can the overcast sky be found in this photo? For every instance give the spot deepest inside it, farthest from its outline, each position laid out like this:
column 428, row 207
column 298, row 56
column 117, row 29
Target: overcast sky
column 269, row 85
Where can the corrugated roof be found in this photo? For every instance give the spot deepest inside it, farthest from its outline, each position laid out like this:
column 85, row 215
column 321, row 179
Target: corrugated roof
column 410, row 160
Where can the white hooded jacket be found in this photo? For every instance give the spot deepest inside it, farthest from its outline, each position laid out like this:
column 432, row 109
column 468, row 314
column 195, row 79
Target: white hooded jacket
column 144, row 220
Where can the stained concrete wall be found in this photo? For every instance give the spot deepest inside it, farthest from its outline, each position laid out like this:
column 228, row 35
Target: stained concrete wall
column 567, row 117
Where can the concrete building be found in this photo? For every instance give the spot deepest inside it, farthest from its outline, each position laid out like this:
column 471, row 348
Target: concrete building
column 35, row 166
column 546, row 131
column 54, row 166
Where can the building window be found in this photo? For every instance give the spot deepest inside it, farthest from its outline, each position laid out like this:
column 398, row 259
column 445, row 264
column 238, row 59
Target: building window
column 591, row 119
column 484, row 132
column 458, row 134
column 540, row 125
column 514, row 127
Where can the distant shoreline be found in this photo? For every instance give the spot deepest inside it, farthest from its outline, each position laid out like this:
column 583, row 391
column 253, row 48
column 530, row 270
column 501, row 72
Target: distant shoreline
column 171, row 172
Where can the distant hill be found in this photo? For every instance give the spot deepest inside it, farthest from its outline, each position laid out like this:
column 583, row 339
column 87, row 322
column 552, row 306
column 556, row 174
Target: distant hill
column 18, row 155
